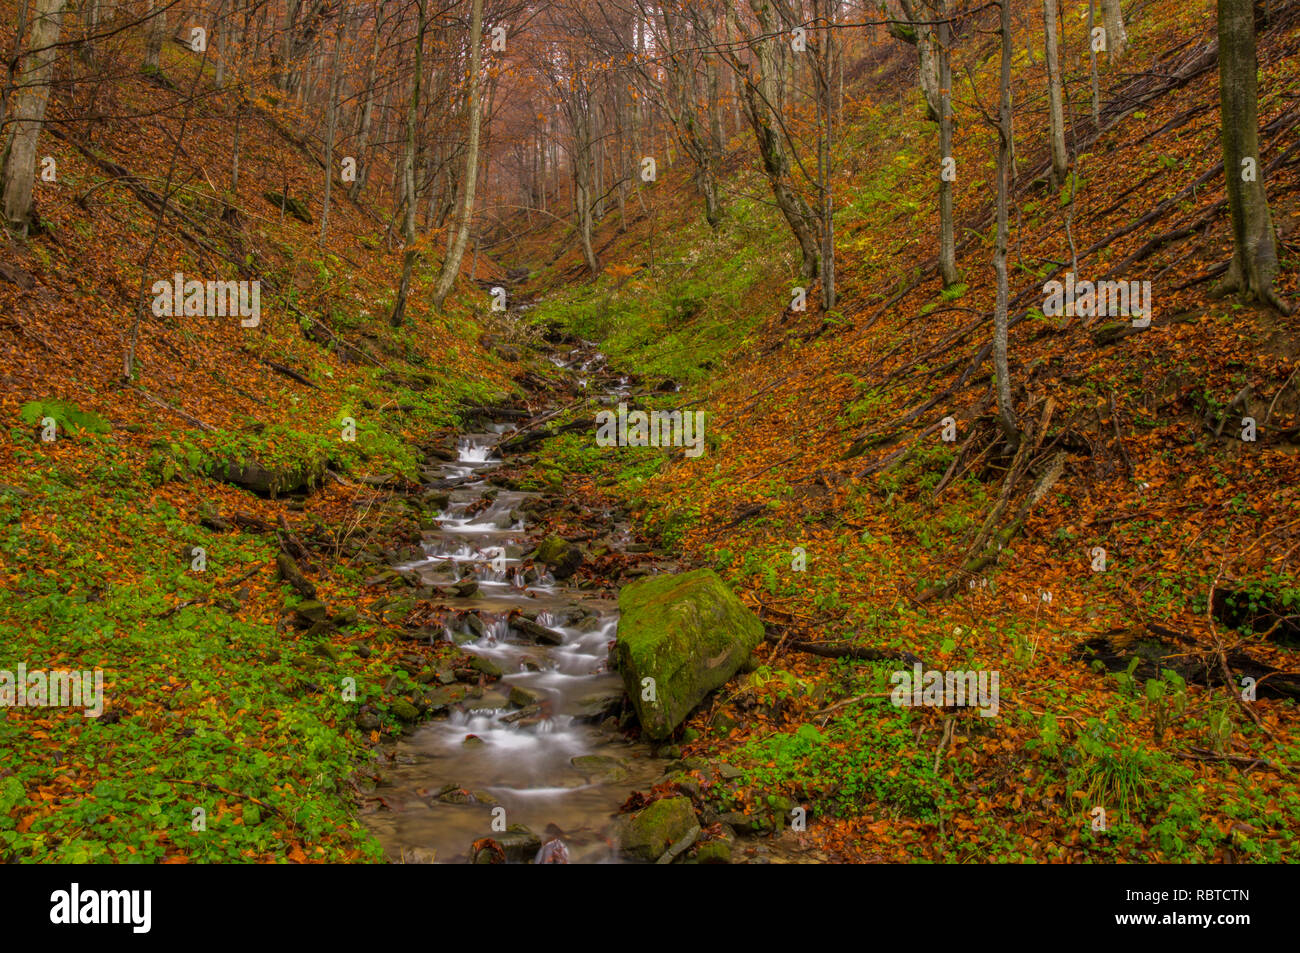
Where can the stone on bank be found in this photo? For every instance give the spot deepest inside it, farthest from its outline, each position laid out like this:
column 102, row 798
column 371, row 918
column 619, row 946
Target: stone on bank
column 686, row 631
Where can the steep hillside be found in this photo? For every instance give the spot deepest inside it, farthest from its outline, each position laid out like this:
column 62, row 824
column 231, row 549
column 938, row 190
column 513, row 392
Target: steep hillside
column 316, row 403
column 1137, row 531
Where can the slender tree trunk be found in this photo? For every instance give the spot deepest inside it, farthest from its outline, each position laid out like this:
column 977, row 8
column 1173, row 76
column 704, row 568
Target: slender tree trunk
column 1094, row 81
column 331, row 122
column 1254, row 250
column 90, row 15
column 828, row 62
column 220, row 40
column 367, row 111
column 1006, row 413
column 408, row 173
column 717, row 141
column 363, row 175
column 757, row 95
column 234, row 153
column 451, row 264
column 33, row 95
column 582, row 204
column 947, row 240
column 1056, row 115
column 599, row 160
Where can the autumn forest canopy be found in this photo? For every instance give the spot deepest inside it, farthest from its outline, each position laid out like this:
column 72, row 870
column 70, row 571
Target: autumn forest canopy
column 780, row 431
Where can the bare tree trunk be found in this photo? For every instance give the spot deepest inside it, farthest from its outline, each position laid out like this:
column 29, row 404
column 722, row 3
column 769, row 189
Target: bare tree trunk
column 32, row 97
column 157, row 31
column 221, row 40
column 826, row 64
column 1116, row 36
column 599, row 161
column 679, row 103
column 363, row 175
column 90, row 14
column 234, row 153
column 1092, row 67
column 331, row 122
column 451, row 264
column 286, row 53
column 717, row 141
column 367, row 110
column 11, row 78
column 1056, row 115
column 408, row 173
column 947, row 169
column 929, row 69
column 1254, row 251
column 911, row 26
column 757, row 96
column 582, row 206
column 1006, row 414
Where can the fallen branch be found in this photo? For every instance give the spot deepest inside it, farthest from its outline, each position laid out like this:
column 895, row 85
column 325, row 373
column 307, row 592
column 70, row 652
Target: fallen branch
column 855, row 652
column 1201, row 754
column 977, row 563
column 174, row 409
column 279, row 368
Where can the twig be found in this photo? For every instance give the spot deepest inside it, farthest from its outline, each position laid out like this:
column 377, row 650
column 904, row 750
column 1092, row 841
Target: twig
column 1232, row 686
column 849, row 701
column 1280, row 390
column 943, row 743
column 208, row 785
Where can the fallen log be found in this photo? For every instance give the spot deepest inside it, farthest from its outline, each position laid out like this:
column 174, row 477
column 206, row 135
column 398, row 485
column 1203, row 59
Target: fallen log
column 291, row 574
column 1157, row 648
column 856, row 652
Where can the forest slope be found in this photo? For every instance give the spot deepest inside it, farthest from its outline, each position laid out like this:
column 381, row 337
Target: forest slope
column 1158, row 539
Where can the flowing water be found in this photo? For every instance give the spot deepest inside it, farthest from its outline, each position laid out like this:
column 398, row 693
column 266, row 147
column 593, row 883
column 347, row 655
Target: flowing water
column 552, row 760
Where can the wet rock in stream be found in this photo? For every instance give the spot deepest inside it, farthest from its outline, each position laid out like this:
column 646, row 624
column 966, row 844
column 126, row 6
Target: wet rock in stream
column 562, row 556
column 649, row 833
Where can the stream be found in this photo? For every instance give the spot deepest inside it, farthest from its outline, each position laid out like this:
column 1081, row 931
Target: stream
column 536, row 760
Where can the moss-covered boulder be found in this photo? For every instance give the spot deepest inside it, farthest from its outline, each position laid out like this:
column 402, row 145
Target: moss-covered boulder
column 714, row 852
column 404, row 709
column 686, row 631
column 561, row 555
column 648, row 833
